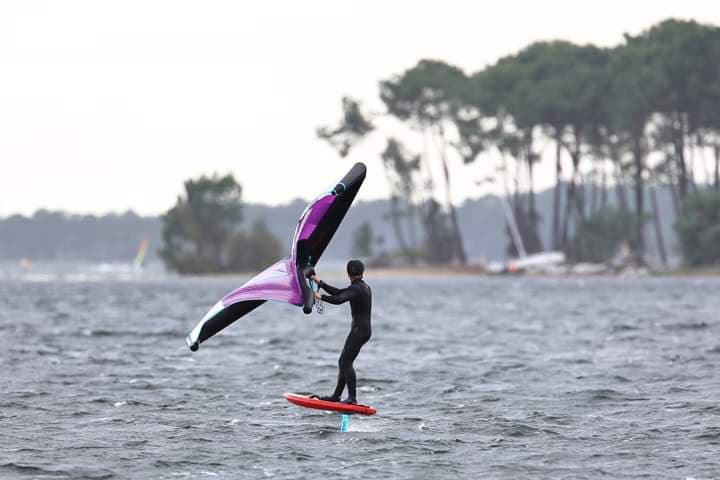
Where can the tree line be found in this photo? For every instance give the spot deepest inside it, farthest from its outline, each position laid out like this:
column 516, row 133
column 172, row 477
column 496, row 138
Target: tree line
column 203, row 232
column 59, row 236
column 620, row 121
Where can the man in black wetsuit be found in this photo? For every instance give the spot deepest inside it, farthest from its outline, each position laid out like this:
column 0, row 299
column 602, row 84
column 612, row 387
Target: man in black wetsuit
column 360, row 298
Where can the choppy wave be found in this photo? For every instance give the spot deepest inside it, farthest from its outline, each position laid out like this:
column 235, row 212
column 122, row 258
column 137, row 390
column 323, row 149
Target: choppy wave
column 472, row 377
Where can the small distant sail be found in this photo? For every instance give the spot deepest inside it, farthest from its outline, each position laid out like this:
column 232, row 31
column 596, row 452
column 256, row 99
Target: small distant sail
column 142, row 250
column 25, row 263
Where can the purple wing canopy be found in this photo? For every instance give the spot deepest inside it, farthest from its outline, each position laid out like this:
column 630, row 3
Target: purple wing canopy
column 286, row 280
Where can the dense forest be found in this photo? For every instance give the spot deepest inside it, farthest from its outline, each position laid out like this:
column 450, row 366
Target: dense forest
column 621, row 121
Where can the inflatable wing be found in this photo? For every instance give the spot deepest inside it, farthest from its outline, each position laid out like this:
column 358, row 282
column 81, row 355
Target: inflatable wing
column 287, row 280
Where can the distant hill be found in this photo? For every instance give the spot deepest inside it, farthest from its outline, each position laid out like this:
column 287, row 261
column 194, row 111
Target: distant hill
column 115, row 238
column 60, row 236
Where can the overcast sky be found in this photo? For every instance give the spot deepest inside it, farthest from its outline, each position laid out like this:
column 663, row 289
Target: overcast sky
column 108, row 106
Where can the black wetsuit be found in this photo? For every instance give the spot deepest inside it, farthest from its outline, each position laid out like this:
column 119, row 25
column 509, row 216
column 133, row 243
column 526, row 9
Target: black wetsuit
column 360, row 298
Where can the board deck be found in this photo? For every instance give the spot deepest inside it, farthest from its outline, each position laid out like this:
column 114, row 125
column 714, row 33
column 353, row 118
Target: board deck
column 307, row 402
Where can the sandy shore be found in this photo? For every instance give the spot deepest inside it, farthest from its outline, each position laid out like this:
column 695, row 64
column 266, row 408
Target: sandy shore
column 475, row 270
column 425, row 271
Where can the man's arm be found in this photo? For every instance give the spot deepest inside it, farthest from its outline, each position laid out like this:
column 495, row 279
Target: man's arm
column 328, row 288
column 341, row 296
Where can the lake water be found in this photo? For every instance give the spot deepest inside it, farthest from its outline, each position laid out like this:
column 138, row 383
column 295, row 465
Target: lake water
column 473, row 377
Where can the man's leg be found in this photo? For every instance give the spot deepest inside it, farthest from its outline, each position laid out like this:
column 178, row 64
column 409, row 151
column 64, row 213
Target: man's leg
column 350, row 353
column 341, row 380
column 351, row 384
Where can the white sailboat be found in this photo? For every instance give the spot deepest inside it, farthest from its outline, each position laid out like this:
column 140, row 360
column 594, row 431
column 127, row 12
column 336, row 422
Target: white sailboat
column 542, row 262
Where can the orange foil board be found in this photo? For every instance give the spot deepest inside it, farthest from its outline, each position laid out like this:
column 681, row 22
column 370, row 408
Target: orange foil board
column 307, row 402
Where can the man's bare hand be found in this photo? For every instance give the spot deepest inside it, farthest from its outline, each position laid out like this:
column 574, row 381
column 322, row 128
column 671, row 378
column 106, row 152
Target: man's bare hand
column 318, row 296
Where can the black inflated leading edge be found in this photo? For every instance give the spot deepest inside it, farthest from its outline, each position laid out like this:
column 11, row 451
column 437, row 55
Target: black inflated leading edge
column 225, row 317
column 310, row 249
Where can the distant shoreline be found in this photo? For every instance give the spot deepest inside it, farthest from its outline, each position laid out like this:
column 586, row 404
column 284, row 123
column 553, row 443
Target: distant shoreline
column 479, row 270
column 713, row 271
column 449, row 270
